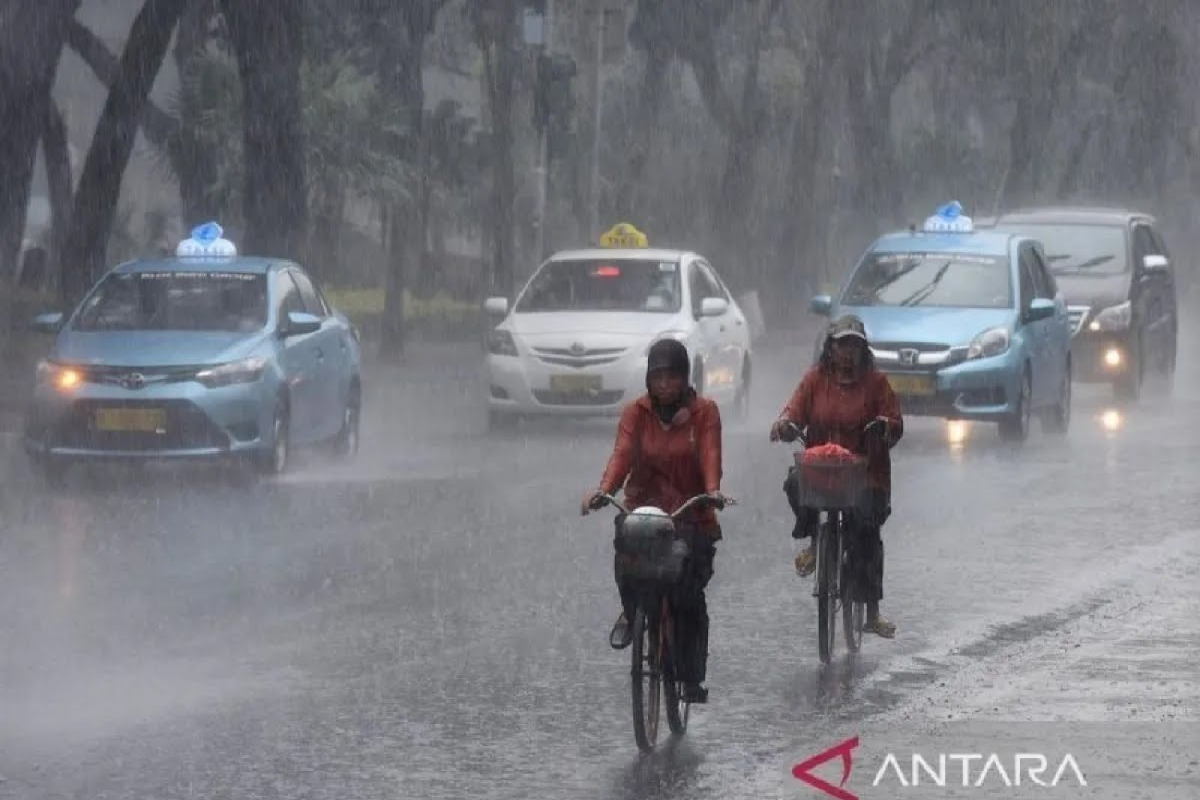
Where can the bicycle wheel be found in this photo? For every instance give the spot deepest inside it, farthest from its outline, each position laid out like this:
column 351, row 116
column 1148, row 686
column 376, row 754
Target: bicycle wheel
column 677, row 708
column 853, row 610
column 827, row 570
column 647, row 677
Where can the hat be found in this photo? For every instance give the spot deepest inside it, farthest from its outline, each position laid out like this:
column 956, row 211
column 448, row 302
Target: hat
column 670, row 355
column 848, row 325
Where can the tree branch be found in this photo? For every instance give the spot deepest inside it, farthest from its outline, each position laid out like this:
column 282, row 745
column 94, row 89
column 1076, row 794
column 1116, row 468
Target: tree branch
column 156, row 123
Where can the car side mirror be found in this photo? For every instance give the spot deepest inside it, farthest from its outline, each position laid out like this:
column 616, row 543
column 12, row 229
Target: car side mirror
column 1040, row 309
column 821, row 305
column 47, row 323
column 497, row 306
column 298, row 324
column 1155, row 263
column 713, row 306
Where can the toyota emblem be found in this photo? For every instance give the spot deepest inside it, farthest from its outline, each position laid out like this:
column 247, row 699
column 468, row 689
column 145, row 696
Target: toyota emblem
column 577, row 349
column 134, row 380
column 908, row 356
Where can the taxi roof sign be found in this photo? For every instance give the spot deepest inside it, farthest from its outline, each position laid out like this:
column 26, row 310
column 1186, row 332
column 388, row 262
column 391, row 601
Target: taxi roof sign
column 206, row 242
column 949, row 219
column 623, row 235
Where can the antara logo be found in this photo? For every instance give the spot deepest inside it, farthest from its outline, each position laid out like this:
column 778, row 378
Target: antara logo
column 975, row 770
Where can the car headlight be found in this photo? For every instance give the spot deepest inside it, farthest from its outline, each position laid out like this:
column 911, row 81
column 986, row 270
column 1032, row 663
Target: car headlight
column 501, row 343
column 991, row 342
column 247, row 370
column 59, row 376
column 1113, row 318
column 679, row 336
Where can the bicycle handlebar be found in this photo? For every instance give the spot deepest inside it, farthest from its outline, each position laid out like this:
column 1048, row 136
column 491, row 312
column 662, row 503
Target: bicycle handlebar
column 719, row 503
column 872, row 427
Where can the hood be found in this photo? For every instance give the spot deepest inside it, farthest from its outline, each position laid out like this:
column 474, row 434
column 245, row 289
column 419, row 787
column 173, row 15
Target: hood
column 1097, row 291
column 949, row 326
column 558, row 324
column 154, row 348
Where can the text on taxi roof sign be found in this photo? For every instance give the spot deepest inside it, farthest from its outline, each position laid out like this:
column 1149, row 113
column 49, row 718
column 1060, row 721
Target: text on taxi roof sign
column 949, row 219
column 206, row 242
column 623, row 235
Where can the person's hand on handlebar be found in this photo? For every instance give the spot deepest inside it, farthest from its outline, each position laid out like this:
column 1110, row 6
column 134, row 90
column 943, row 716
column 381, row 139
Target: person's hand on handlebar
column 784, row 430
column 593, row 501
column 878, row 427
column 720, row 499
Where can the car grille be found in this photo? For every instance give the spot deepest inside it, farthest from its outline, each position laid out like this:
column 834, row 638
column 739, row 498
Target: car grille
column 927, row 355
column 1077, row 315
column 188, row 428
column 587, row 357
column 128, row 377
column 606, row 398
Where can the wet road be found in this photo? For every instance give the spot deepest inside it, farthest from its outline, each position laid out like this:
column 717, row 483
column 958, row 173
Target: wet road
column 432, row 622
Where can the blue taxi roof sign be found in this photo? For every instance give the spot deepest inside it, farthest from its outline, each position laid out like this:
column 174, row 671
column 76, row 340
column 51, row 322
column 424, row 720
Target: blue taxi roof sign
column 949, row 219
column 206, row 242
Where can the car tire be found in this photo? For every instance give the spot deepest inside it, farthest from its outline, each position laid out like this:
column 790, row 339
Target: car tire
column 276, row 460
column 1056, row 420
column 1128, row 387
column 345, row 444
column 1016, row 427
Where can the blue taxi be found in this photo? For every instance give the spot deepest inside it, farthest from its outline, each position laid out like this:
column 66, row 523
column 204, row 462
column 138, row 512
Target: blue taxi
column 968, row 325
column 205, row 355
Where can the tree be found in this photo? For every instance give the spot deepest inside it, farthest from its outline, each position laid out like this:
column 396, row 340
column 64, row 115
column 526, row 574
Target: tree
column 268, row 42
column 112, row 144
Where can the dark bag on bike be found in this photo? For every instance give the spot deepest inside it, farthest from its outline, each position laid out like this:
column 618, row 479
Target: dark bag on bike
column 649, row 550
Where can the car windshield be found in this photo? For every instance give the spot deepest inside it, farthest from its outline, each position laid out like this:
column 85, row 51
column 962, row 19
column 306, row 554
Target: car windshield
column 604, row 285
column 943, row 280
column 176, row 301
column 1078, row 249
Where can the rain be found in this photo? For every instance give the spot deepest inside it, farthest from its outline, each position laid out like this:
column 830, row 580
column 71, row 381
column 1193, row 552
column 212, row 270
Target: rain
column 316, row 327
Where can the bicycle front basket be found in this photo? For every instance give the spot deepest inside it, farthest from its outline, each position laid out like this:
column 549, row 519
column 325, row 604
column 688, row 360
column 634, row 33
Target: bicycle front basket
column 831, row 485
column 663, row 568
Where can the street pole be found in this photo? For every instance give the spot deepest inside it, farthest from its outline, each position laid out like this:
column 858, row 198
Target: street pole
column 596, row 121
column 544, row 148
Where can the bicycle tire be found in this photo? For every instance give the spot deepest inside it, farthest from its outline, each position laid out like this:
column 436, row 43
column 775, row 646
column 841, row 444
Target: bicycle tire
column 677, row 708
column 853, row 610
column 827, row 549
column 646, row 679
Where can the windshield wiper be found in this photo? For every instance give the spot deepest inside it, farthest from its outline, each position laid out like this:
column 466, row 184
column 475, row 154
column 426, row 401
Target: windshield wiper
column 1088, row 264
column 920, row 294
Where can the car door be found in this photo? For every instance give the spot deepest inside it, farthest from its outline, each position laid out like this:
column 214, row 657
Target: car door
column 1152, row 291
column 1057, row 336
column 1033, row 332
column 298, row 358
column 331, row 355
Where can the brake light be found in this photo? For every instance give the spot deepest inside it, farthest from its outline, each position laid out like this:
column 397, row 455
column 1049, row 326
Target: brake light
column 607, row 271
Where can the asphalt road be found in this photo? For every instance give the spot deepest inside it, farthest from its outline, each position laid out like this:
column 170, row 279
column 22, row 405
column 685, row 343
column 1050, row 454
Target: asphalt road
column 432, row 621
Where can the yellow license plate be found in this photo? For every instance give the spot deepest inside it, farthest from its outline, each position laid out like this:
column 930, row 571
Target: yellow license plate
column 145, row 420
column 918, row 385
column 575, row 384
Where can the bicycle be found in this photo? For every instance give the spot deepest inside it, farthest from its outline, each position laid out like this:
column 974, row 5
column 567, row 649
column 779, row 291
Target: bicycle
column 649, row 534
column 834, row 489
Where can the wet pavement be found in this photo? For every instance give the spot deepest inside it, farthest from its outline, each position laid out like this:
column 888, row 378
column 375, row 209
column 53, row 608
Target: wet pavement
column 432, row 621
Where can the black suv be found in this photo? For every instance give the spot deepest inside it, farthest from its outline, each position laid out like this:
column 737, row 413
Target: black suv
column 1114, row 271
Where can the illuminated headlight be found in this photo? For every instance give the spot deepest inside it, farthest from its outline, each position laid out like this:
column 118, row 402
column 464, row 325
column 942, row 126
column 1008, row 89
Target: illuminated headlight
column 247, row 370
column 1112, row 357
column 679, row 336
column 58, row 376
column 500, row 343
column 1113, row 318
column 991, row 342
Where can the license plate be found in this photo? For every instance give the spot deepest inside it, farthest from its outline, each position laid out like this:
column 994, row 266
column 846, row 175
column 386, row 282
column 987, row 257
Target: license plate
column 917, row 385
column 575, row 384
column 145, row 420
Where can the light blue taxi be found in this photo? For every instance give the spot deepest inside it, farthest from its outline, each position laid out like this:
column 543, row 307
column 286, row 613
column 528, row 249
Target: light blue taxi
column 205, row 355
column 968, row 325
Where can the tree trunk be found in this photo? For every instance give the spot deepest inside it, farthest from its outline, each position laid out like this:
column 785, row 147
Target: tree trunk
column 194, row 163
column 112, row 144
column 632, row 200
column 60, row 183
column 32, row 36
column 500, row 69
column 268, row 38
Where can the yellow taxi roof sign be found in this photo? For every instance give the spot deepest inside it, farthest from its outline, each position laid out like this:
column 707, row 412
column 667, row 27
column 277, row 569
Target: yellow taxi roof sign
column 623, row 235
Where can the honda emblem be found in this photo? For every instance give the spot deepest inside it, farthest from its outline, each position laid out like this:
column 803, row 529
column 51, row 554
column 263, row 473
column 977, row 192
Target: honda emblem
column 909, row 356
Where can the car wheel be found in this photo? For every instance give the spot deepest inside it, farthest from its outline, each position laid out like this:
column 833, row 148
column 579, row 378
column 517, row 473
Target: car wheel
column 1016, row 427
column 275, row 461
column 345, row 446
column 1057, row 419
column 1128, row 387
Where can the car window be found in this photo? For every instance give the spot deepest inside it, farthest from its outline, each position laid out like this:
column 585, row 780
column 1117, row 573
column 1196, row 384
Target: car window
column 1073, row 249
column 702, row 286
column 308, row 293
column 287, row 296
column 1043, row 278
column 624, row 284
column 184, row 300
column 1143, row 244
column 717, row 288
column 1028, row 287
column 931, row 280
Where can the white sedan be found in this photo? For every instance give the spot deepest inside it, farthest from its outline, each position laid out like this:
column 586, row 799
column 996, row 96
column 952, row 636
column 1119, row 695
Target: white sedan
column 575, row 340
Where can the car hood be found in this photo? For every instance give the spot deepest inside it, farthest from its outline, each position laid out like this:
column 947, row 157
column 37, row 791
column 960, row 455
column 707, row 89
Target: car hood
column 154, row 348
column 948, row 326
column 538, row 327
column 1097, row 291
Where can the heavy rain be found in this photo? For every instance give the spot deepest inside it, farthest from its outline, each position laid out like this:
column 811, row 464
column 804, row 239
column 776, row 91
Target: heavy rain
column 319, row 317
